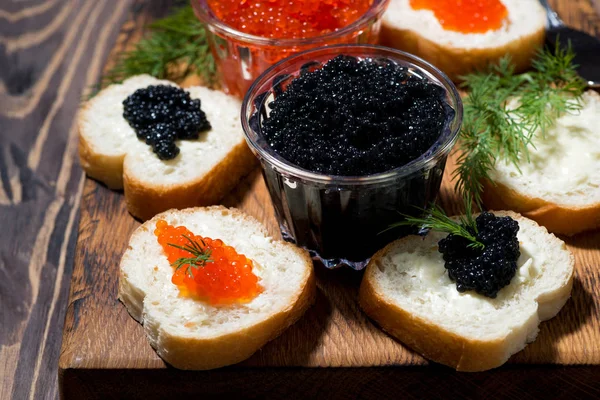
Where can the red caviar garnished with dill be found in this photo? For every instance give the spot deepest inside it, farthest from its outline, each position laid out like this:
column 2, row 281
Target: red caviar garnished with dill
column 206, row 268
column 465, row 16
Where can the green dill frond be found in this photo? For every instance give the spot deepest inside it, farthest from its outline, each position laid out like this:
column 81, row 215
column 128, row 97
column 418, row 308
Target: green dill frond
column 435, row 219
column 174, row 48
column 199, row 256
column 503, row 112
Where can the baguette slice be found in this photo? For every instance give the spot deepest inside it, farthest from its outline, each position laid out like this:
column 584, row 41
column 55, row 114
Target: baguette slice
column 559, row 187
column 419, row 32
column 191, row 334
column 406, row 290
column 205, row 170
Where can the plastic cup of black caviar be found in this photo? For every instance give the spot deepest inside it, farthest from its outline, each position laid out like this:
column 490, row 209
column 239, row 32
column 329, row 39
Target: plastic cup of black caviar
column 344, row 220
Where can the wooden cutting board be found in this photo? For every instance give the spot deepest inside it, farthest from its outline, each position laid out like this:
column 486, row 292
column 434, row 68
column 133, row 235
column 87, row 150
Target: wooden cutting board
column 105, row 353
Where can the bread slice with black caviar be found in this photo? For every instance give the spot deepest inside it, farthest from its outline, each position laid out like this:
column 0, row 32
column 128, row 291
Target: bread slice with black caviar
column 407, row 291
column 205, row 170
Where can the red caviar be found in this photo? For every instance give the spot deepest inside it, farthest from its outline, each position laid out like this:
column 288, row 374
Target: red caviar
column 264, row 32
column 465, row 16
column 288, row 19
column 225, row 278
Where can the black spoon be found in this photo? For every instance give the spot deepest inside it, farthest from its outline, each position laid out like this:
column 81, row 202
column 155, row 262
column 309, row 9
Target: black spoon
column 586, row 47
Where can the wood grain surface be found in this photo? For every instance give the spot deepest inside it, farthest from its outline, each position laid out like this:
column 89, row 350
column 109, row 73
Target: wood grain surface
column 101, row 336
column 51, row 52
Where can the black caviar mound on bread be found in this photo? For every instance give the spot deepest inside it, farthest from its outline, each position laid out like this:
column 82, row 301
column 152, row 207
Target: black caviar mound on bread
column 486, row 270
column 161, row 114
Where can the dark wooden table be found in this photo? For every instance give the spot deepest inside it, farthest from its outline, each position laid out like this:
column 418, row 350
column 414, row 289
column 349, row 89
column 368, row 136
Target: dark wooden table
column 51, row 53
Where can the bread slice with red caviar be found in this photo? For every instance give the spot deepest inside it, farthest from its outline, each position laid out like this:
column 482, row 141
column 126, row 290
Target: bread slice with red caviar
column 418, row 31
column 407, row 291
column 201, row 174
column 190, row 333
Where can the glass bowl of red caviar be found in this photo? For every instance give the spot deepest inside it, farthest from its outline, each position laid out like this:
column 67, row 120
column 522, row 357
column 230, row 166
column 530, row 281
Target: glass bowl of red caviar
column 344, row 220
column 244, row 47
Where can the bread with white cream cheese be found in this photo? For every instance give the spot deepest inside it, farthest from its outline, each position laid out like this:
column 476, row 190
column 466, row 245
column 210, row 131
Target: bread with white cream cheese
column 192, row 334
column 419, row 32
column 407, row 291
column 204, row 171
column 559, row 187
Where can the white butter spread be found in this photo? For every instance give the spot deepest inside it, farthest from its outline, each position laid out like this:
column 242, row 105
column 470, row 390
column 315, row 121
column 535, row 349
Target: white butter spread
column 428, row 271
column 564, row 164
column 525, row 17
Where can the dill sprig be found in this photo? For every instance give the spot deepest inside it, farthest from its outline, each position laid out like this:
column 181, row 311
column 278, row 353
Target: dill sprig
column 503, row 111
column 200, row 256
column 436, row 219
column 175, row 47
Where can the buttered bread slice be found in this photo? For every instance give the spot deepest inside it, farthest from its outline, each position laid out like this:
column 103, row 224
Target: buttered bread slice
column 407, row 291
column 191, row 333
column 420, row 32
column 204, row 171
column 559, row 187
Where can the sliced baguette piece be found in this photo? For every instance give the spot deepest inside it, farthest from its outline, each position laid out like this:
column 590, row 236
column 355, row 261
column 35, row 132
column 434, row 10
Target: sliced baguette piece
column 191, row 334
column 559, row 187
column 419, row 32
column 406, row 290
column 205, row 170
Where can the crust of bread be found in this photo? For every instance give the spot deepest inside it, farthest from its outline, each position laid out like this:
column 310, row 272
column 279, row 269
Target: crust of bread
column 145, row 201
column 208, row 353
column 204, row 354
column 557, row 218
column 131, row 297
column 103, row 168
column 427, row 339
column 454, row 61
column 434, row 342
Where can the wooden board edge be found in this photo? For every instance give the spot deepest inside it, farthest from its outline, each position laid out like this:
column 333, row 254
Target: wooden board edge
column 298, row 383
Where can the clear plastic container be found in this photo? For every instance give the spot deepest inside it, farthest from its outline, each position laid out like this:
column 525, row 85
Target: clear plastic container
column 340, row 219
column 240, row 57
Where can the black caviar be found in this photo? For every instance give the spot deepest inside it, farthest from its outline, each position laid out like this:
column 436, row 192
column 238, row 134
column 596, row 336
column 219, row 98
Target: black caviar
column 162, row 114
column 484, row 271
column 356, row 117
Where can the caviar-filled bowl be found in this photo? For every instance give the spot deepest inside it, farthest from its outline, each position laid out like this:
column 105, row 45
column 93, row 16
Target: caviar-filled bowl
column 350, row 138
column 247, row 37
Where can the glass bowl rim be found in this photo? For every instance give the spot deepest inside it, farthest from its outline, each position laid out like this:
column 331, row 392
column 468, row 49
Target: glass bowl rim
column 204, row 13
column 287, row 168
